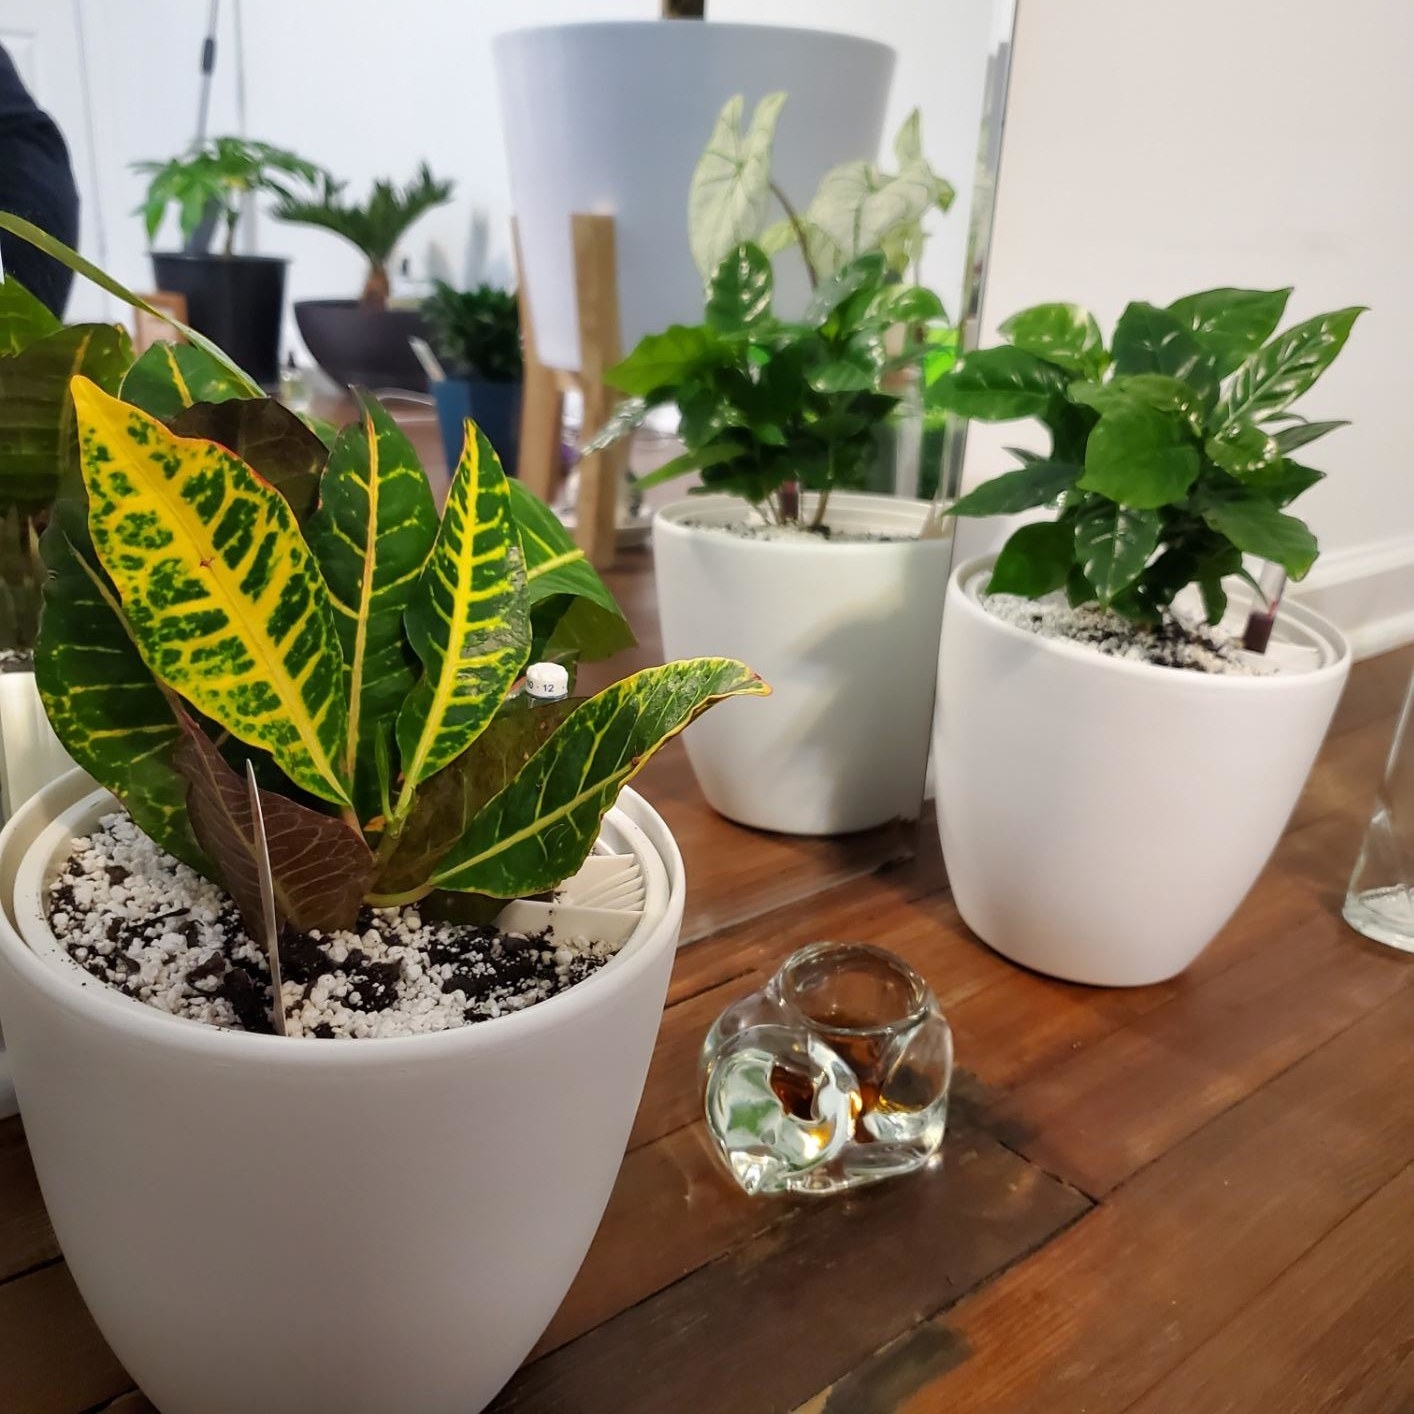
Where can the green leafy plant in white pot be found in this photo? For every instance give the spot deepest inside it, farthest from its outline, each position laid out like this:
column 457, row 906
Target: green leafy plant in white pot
column 837, row 594
column 1113, row 767
column 292, row 1045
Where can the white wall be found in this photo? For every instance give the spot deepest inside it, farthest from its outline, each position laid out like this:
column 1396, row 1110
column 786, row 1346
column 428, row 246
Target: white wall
column 1152, row 150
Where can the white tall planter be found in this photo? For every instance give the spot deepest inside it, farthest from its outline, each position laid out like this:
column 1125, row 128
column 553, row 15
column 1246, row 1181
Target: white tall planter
column 1102, row 819
column 265, row 1224
column 845, row 633
column 611, row 118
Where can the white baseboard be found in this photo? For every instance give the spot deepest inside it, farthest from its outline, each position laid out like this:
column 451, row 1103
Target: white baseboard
column 1368, row 592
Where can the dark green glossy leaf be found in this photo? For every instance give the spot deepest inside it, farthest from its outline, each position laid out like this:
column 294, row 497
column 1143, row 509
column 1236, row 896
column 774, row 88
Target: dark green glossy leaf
column 1256, row 527
column 1159, row 391
column 23, row 318
column 1275, row 376
column 370, row 537
column 1230, row 324
column 842, row 376
column 321, row 868
column 662, row 361
column 1113, row 544
column 1037, row 559
column 717, row 454
column 269, row 439
column 907, row 304
column 1298, row 435
column 864, row 273
column 540, row 828
column 1152, row 340
column 1061, row 333
column 1283, row 481
column 997, row 385
column 1241, row 448
column 740, row 293
column 1140, row 458
column 1036, row 484
column 1214, row 597
column 37, row 429
column 170, row 377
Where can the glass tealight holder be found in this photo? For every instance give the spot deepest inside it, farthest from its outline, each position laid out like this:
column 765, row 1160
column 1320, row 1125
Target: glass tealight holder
column 835, row 1074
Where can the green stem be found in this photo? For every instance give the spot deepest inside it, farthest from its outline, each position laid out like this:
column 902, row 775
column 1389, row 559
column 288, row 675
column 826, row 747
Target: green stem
column 798, row 226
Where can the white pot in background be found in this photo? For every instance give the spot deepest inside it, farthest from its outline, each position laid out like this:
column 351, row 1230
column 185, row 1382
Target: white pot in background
column 845, row 633
column 1102, row 819
column 30, row 753
column 610, row 118
column 266, row 1224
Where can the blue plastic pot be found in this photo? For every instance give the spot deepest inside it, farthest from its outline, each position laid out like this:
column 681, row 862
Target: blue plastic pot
column 494, row 407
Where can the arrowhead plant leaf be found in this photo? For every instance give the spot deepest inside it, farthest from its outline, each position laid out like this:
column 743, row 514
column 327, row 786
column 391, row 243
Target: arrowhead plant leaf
column 221, row 593
column 468, row 621
column 540, row 828
column 371, row 536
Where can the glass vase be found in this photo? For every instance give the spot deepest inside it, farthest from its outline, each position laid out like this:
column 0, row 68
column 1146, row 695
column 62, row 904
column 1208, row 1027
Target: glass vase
column 833, row 1075
column 1380, row 900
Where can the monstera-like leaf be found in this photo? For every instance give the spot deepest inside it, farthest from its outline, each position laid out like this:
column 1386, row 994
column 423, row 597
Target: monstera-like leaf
column 371, row 536
column 220, row 592
column 467, row 620
column 540, row 828
column 731, row 186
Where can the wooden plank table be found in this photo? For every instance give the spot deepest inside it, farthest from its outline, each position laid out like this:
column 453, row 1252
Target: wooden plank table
column 1192, row 1197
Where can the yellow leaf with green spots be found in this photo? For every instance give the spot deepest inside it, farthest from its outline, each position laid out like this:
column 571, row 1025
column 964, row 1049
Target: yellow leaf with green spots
column 468, row 621
column 220, row 592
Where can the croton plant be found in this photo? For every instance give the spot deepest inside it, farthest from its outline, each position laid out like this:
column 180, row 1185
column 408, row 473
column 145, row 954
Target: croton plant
column 228, row 584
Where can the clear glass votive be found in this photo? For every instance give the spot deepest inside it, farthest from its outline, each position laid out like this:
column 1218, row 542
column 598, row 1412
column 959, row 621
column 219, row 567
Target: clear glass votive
column 833, row 1075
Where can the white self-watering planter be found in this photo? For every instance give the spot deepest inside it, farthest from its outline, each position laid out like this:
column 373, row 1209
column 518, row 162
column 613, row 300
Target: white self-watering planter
column 259, row 1223
column 610, row 118
column 846, row 634
column 1101, row 819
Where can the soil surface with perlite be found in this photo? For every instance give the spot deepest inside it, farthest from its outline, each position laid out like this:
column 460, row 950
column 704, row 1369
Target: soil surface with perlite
column 139, row 921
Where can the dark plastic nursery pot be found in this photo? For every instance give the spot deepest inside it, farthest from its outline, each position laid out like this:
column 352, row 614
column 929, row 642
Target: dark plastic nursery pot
column 365, row 347
column 495, row 407
column 235, row 300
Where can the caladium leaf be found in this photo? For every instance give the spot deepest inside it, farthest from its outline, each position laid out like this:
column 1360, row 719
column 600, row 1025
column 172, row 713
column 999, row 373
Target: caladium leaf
column 731, row 185
column 101, row 698
column 539, row 830
column 468, row 621
column 320, row 867
column 375, row 526
column 221, row 593
column 573, row 614
column 37, row 434
column 24, row 319
column 71, row 260
column 447, row 803
column 271, row 440
column 170, row 377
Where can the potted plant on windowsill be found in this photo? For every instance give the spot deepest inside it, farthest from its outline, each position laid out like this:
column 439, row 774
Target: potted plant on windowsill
column 283, row 670
column 836, row 594
column 1112, row 773
column 365, row 341
column 476, row 335
column 237, row 300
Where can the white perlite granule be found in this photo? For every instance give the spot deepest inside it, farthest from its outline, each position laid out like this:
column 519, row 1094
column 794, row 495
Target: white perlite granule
column 139, row 920
column 1174, row 644
column 794, row 533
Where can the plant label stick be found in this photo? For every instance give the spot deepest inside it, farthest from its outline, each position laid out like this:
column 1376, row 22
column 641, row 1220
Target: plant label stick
column 267, row 899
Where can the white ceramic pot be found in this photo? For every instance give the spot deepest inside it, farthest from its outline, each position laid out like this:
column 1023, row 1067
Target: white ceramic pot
column 845, row 633
column 362, row 1225
column 30, row 754
column 610, row 118
column 1102, row 819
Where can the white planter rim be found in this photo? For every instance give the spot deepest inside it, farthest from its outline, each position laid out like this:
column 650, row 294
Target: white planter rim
column 1317, row 631
column 671, row 29
column 139, row 1024
column 848, row 510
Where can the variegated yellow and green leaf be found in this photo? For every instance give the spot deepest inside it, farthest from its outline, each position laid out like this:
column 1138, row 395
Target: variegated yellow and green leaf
column 23, row 318
column 222, row 596
column 375, row 526
column 37, row 437
column 539, row 830
column 102, row 699
column 468, row 621
column 170, row 377
column 573, row 614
